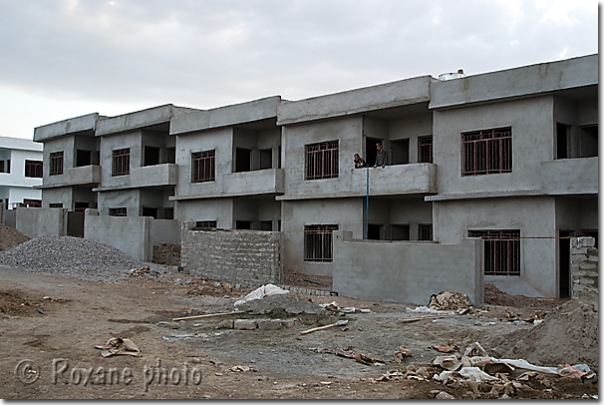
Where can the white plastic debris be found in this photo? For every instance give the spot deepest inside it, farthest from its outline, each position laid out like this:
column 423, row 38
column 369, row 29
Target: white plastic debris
column 425, row 309
column 261, row 292
column 476, row 374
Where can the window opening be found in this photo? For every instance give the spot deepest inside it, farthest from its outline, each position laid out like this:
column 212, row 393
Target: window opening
column 33, row 168
column 203, row 166
column 424, row 231
column 487, row 152
column 321, row 161
column 56, row 163
column 399, row 152
column 83, row 157
column 318, row 243
column 121, row 162
column 243, row 160
column 424, row 149
column 151, row 156
column 118, row 212
column 501, row 251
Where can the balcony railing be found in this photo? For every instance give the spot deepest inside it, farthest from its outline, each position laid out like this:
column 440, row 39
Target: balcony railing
column 75, row 176
column 269, row 181
column 152, row 176
column 570, row 176
column 417, row 178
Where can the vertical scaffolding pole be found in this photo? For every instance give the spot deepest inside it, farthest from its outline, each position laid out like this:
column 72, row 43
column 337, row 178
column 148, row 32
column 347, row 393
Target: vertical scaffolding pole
column 367, row 204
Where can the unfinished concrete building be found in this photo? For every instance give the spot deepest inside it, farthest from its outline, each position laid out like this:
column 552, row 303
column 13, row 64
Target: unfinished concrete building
column 231, row 166
column 488, row 176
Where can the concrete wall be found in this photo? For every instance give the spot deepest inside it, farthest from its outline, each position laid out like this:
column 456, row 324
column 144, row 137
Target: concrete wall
column 219, row 140
column 218, row 209
column 130, row 199
column 411, row 128
column 65, row 144
column 59, row 195
column 532, row 126
column 164, row 231
column 247, row 257
column 407, row 272
column 349, row 133
column 131, row 140
column 533, row 216
column 534, row 79
column 395, row 94
column 131, row 235
column 347, row 213
column 34, row 222
column 584, row 264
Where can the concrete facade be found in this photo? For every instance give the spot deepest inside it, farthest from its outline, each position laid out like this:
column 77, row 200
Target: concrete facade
column 245, row 142
column 407, row 272
column 287, row 166
column 17, row 186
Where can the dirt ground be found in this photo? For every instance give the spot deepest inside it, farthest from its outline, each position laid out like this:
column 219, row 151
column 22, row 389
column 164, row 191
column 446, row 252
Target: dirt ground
column 50, row 324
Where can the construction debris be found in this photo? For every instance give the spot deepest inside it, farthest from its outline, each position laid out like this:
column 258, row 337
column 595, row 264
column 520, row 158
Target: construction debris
column 450, row 347
column 119, row 346
column 450, row 301
column 261, row 292
column 401, row 354
column 341, row 322
column 333, row 306
column 421, row 318
column 184, row 318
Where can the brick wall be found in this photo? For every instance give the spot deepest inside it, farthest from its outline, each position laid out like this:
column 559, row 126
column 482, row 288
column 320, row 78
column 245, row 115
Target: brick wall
column 237, row 256
column 584, row 264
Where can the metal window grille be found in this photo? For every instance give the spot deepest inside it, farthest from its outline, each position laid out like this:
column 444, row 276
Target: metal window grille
column 55, row 205
column 321, row 161
column 424, row 149
column 318, row 243
column 33, row 168
column 118, row 212
column 424, row 231
column 121, row 162
column 199, row 225
column 203, row 166
column 487, row 151
column 501, row 251
column 32, row 203
column 56, row 163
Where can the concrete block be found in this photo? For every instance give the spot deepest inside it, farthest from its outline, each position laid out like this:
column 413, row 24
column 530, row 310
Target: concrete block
column 288, row 323
column 586, row 281
column 593, row 259
column 225, row 324
column 244, row 324
column 269, row 324
column 578, row 257
column 587, row 266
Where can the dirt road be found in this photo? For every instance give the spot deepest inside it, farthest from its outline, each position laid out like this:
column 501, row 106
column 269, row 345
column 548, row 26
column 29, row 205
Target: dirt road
column 49, row 345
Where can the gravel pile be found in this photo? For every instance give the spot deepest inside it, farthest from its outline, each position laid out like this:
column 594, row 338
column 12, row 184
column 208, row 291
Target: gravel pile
column 73, row 256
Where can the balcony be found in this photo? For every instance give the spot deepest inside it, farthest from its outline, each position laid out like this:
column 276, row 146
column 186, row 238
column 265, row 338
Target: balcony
column 418, row 178
column 75, row 176
column 269, row 181
column 154, row 176
column 570, row 176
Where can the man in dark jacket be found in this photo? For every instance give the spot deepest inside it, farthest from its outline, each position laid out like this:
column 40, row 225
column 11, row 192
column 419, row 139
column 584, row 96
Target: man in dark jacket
column 381, row 158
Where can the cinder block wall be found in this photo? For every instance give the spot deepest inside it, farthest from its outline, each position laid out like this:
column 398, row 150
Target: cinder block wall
column 584, row 264
column 237, row 256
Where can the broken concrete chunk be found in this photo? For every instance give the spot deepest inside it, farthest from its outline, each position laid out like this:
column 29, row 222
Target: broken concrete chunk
column 225, row 324
column 269, row 324
column 288, row 323
column 244, row 324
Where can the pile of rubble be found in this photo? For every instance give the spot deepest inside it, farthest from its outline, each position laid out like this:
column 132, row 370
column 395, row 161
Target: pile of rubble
column 72, row 256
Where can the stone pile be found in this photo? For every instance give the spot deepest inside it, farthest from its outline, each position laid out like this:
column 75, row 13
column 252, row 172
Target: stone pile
column 72, row 256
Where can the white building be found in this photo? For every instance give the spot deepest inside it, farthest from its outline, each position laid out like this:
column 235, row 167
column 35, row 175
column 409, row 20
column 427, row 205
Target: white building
column 21, row 166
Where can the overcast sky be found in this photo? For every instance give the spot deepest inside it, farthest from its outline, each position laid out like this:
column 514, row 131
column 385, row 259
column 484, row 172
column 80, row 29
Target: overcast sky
column 65, row 58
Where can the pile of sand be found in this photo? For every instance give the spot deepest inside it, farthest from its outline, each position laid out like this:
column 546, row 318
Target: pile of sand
column 568, row 335
column 10, row 237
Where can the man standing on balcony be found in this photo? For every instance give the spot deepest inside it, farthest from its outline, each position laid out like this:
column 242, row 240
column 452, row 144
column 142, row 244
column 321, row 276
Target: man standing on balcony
column 381, row 158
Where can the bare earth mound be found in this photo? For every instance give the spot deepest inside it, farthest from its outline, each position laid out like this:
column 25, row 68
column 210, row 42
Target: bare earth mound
column 10, row 237
column 568, row 335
